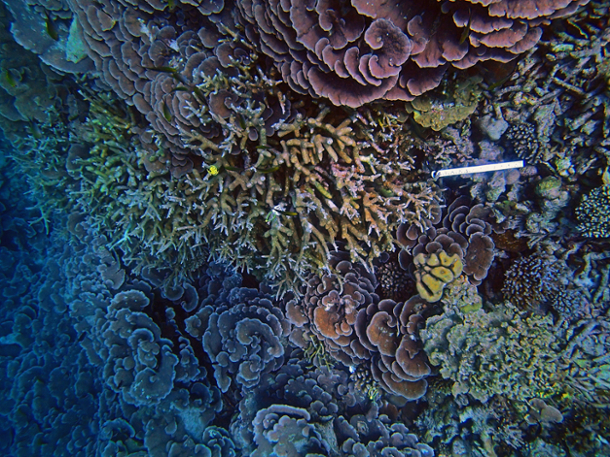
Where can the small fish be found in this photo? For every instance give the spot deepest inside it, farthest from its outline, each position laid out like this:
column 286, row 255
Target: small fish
column 466, row 30
column 268, row 170
column 50, row 26
column 10, row 78
column 34, row 130
column 230, row 168
column 166, row 112
column 162, row 69
column 171, row 4
column 386, row 192
column 171, row 71
column 213, row 170
column 199, row 94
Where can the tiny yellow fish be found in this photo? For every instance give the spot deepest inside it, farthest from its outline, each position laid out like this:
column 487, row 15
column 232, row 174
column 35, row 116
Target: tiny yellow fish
column 213, row 170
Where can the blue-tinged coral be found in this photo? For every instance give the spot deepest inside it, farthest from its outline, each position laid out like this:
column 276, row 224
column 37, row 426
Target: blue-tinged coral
column 302, row 412
column 243, row 335
column 139, row 362
column 537, row 282
column 593, row 213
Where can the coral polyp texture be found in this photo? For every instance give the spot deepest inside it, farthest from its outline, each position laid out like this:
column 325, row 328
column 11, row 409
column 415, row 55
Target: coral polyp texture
column 593, row 213
column 223, row 233
column 356, row 52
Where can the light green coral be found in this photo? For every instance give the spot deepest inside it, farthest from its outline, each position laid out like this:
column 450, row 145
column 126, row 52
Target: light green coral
column 501, row 352
column 438, row 113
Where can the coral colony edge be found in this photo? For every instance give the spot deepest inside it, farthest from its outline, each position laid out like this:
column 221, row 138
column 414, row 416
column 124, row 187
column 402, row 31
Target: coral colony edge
column 224, row 231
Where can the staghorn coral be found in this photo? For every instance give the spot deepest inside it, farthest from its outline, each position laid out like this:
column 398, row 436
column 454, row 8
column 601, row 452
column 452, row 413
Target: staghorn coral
column 355, row 52
column 320, row 184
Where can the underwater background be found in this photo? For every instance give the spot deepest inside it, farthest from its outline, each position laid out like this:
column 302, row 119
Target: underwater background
column 221, row 236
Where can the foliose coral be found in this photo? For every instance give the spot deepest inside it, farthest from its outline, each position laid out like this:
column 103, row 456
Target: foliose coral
column 343, row 313
column 465, row 231
column 303, row 412
column 356, row 52
column 243, row 336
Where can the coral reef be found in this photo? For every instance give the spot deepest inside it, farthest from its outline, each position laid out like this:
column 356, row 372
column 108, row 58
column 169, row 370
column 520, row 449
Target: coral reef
column 537, row 281
column 593, row 213
column 355, row 52
column 220, row 235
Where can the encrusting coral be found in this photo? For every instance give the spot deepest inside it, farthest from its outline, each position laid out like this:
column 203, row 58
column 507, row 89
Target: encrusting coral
column 521, row 359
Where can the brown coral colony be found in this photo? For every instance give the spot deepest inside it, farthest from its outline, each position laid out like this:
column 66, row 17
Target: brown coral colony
column 356, row 52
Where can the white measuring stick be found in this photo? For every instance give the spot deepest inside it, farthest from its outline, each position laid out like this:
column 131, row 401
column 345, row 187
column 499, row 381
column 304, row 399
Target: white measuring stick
column 478, row 169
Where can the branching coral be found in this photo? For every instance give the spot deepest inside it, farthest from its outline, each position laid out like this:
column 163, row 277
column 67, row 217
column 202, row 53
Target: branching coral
column 538, row 281
column 522, row 358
